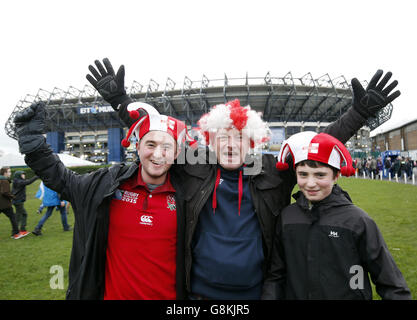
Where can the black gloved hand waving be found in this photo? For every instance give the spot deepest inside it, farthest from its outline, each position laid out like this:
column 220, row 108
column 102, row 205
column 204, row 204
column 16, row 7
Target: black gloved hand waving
column 376, row 96
column 30, row 127
column 111, row 86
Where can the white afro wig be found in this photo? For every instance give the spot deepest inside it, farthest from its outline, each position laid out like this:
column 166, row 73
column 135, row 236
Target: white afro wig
column 233, row 115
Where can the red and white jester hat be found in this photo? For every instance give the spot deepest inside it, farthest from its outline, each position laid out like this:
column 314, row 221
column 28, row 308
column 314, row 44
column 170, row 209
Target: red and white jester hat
column 154, row 121
column 233, row 115
column 309, row 145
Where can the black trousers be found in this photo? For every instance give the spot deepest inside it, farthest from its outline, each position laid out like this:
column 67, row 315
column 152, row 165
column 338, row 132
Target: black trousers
column 21, row 216
column 10, row 214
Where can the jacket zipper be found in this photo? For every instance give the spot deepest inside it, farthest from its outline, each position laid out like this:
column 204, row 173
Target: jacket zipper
column 196, row 210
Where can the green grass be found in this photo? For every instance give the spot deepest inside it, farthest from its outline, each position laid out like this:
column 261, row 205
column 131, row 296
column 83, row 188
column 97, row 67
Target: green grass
column 25, row 263
column 393, row 206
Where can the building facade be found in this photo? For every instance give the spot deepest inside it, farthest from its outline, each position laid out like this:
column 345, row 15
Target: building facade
column 402, row 138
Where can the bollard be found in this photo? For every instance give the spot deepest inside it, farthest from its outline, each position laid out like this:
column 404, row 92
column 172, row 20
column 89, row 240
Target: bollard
column 364, row 175
column 405, row 178
column 414, row 178
column 356, row 174
column 396, row 177
column 389, row 176
column 380, row 176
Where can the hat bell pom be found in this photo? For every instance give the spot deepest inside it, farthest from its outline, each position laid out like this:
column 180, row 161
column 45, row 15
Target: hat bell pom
column 134, row 114
column 347, row 171
column 125, row 143
column 282, row 166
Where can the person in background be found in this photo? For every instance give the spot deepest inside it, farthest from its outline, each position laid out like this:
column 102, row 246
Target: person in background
column 403, row 168
column 51, row 199
column 366, row 163
column 408, row 167
column 359, row 166
column 39, row 194
column 379, row 166
column 414, row 170
column 19, row 192
column 388, row 166
column 6, row 201
column 396, row 170
column 373, row 168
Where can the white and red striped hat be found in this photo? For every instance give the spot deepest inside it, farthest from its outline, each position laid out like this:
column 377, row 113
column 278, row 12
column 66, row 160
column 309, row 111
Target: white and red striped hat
column 322, row 147
column 154, row 121
column 233, row 115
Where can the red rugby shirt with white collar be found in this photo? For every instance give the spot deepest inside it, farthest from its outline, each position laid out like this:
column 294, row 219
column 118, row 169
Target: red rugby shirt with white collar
column 141, row 246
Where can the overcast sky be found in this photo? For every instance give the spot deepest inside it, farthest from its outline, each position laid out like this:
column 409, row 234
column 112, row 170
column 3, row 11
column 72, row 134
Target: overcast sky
column 47, row 44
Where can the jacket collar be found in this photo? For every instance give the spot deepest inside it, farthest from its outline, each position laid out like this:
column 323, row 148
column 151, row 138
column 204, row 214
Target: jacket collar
column 338, row 197
column 165, row 187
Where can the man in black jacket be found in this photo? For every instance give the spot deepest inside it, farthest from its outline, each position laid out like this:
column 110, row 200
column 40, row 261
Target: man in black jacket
column 240, row 206
column 19, row 192
column 129, row 224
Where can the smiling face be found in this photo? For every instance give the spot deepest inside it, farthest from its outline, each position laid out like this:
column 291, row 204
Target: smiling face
column 315, row 183
column 231, row 147
column 157, row 151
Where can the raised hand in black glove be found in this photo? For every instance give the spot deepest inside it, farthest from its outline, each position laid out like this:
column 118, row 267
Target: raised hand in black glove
column 30, row 127
column 111, row 86
column 376, row 96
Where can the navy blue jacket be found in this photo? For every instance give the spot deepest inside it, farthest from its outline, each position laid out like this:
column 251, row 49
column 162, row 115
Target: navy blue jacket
column 227, row 235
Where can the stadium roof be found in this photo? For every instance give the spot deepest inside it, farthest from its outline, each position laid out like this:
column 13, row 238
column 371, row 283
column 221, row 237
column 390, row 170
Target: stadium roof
column 280, row 99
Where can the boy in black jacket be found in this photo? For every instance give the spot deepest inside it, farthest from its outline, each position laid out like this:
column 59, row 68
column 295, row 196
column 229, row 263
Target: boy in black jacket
column 325, row 246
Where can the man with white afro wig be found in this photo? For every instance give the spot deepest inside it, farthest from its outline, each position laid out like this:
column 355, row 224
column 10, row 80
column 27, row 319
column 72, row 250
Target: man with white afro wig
column 231, row 214
column 233, row 115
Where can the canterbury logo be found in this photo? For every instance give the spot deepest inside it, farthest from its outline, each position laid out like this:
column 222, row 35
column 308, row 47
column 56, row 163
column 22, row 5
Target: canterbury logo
column 148, row 220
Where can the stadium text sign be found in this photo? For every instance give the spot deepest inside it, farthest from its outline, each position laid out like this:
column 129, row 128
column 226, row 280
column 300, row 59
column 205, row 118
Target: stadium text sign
column 95, row 109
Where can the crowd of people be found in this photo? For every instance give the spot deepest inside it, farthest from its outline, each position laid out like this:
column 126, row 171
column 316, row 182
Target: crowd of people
column 374, row 167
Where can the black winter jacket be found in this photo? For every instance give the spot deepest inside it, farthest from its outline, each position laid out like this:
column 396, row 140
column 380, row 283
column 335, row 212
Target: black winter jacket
column 199, row 181
column 270, row 189
column 5, row 195
column 90, row 196
column 19, row 187
column 327, row 251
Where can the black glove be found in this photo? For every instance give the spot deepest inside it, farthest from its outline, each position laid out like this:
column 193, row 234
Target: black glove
column 30, row 127
column 110, row 86
column 368, row 102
